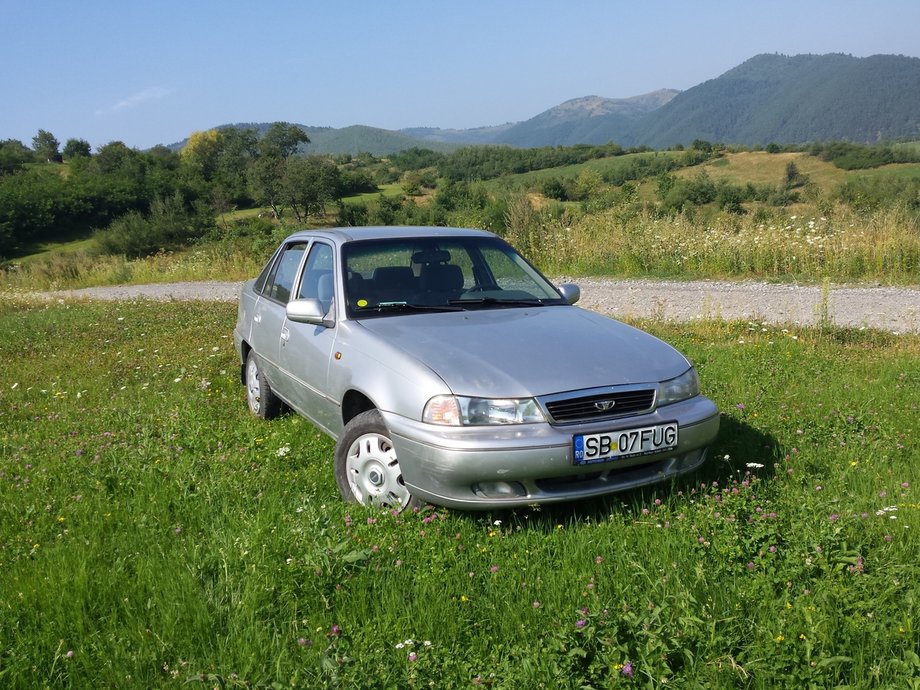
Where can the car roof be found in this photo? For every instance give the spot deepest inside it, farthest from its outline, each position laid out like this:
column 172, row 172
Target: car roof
column 340, row 235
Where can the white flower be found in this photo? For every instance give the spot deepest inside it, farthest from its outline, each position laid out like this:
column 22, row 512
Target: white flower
column 282, row 451
column 754, row 465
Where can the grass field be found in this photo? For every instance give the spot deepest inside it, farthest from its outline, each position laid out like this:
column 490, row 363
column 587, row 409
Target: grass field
column 153, row 534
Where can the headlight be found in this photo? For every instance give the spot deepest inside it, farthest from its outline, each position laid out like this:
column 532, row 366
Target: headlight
column 457, row 410
column 685, row 386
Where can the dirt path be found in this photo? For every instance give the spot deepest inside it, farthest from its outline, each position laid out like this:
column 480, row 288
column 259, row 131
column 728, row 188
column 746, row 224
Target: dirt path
column 886, row 308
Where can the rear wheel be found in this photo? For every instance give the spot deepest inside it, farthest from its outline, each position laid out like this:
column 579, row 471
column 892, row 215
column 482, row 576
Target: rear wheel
column 366, row 468
column 259, row 394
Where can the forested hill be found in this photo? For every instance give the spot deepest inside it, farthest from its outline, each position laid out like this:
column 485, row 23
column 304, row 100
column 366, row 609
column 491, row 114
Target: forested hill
column 777, row 98
column 767, row 99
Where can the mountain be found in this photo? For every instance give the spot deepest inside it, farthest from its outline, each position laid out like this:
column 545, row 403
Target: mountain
column 797, row 99
column 589, row 120
column 767, row 99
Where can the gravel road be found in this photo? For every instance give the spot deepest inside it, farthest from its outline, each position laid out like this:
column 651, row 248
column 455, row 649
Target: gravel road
column 885, row 308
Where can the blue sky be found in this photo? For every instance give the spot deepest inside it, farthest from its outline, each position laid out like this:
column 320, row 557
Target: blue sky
column 152, row 71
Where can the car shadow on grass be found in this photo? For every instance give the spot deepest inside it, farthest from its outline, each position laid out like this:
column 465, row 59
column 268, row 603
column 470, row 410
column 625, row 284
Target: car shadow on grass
column 738, row 449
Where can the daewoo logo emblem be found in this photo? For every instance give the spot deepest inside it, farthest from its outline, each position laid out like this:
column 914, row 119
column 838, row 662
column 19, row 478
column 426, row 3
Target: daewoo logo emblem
column 605, row 405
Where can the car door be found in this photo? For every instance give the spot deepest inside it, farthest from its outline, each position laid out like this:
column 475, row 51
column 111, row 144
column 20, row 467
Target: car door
column 268, row 315
column 306, row 349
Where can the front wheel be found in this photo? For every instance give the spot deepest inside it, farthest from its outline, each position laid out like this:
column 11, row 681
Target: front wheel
column 366, row 468
column 259, row 394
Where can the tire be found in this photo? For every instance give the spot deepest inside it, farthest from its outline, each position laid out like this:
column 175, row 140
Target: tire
column 366, row 468
column 260, row 397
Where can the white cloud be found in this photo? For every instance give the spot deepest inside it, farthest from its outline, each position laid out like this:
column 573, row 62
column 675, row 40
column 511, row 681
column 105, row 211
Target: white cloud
column 154, row 93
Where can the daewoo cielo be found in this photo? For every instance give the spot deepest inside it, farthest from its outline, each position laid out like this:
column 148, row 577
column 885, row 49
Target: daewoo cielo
column 449, row 370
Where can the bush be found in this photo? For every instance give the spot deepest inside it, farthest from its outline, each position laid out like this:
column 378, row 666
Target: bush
column 169, row 225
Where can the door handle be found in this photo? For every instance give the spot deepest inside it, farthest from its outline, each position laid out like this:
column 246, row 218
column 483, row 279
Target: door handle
column 285, row 335
column 257, row 318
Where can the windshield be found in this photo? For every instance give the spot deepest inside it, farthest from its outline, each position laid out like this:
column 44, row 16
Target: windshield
column 440, row 274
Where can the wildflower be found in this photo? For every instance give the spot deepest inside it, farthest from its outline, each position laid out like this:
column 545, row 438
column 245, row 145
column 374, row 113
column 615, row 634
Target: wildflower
column 834, row 517
column 888, row 537
column 536, row 604
column 282, row 451
column 598, row 559
column 413, row 656
column 580, row 623
column 750, row 565
column 303, row 642
column 493, row 569
column 754, row 465
column 69, row 654
column 627, row 669
column 335, row 631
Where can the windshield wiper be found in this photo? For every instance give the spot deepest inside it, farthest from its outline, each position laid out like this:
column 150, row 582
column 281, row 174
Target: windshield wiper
column 409, row 306
column 497, row 301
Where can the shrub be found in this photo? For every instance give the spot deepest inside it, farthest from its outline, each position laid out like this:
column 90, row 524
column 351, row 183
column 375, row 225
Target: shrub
column 169, row 225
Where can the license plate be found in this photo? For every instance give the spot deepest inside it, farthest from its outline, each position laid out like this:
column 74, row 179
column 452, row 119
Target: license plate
column 615, row 445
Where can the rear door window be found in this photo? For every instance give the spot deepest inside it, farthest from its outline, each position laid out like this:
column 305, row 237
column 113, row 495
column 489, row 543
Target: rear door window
column 281, row 281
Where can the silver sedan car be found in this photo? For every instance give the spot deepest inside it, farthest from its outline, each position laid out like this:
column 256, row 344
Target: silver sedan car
column 450, row 371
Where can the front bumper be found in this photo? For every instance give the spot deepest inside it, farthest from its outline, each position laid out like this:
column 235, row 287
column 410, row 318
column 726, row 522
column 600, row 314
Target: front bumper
column 497, row 467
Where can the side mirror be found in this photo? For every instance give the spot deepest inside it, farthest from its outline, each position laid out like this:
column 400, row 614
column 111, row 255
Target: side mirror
column 309, row 311
column 570, row 292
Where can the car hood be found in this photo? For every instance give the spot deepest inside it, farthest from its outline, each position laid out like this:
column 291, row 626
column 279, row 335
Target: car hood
column 524, row 352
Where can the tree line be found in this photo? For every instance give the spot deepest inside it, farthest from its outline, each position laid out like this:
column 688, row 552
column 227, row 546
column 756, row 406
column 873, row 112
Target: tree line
column 138, row 202
column 142, row 201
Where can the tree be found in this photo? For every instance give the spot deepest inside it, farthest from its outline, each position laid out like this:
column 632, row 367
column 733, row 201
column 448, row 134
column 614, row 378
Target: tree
column 308, row 184
column 114, row 157
column 264, row 178
column 268, row 170
column 238, row 149
column 13, row 154
column 75, row 148
column 793, row 178
column 46, row 146
column 282, row 140
column 200, row 153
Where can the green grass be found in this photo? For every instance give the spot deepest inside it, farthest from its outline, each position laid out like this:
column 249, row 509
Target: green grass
column 152, row 533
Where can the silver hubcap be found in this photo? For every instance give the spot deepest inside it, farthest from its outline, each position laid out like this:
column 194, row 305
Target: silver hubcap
column 253, row 390
column 373, row 473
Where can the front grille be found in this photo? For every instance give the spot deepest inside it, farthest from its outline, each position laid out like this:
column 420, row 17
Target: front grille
column 598, row 404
